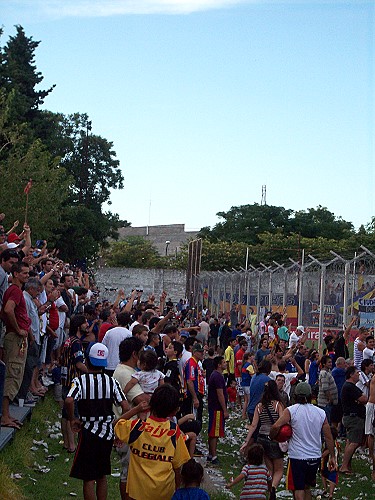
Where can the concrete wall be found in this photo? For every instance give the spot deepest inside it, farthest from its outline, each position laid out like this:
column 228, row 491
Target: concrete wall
column 158, row 235
column 111, row 279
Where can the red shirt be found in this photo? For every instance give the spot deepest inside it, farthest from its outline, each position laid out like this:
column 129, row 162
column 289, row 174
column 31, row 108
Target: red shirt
column 238, row 362
column 15, row 294
column 53, row 319
column 103, row 330
column 194, row 373
column 232, row 394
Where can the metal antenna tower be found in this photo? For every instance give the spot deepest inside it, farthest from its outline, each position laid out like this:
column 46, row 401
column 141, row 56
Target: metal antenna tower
column 264, row 191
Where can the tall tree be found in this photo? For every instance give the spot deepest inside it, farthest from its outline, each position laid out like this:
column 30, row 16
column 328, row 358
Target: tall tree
column 18, row 73
column 91, row 160
column 72, row 170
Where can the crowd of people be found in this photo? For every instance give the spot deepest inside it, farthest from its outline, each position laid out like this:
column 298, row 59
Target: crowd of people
column 136, row 374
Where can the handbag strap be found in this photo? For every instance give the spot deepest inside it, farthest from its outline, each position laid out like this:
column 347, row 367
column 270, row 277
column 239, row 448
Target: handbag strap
column 270, row 415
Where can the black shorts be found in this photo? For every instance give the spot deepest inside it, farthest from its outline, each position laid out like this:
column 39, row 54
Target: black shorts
column 271, row 448
column 301, row 474
column 93, row 457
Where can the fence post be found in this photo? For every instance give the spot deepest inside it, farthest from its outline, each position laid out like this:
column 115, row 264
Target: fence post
column 346, row 294
column 258, row 295
column 321, row 304
column 300, row 288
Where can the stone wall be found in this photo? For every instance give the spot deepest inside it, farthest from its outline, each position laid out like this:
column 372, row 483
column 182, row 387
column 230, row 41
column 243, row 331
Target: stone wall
column 111, row 279
column 158, row 235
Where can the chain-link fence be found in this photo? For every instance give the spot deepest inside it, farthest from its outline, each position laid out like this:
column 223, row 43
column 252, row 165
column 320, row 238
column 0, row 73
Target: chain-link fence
column 321, row 295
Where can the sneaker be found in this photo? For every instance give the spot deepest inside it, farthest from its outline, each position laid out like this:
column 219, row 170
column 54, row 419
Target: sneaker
column 47, row 381
column 209, row 458
column 30, row 403
column 198, row 452
column 30, row 397
column 215, row 461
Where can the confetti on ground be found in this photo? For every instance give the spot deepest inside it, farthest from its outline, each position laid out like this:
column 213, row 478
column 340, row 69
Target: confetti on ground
column 16, row 476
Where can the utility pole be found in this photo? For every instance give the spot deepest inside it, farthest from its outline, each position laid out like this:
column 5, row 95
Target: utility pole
column 264, row 195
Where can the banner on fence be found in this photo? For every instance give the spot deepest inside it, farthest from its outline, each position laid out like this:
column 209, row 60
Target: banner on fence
column 366, row 312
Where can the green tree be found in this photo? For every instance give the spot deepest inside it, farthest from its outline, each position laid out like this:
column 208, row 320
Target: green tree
column 133, row 251
column 18, row 73
column 49, row 190
column 21, row 160
column 246, row 222
column 72, row 170
column 320, row 222
column 91, row 161
column 83, row 232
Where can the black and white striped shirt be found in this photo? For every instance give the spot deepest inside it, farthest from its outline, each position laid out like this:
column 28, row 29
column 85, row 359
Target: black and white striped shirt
column 95, row 394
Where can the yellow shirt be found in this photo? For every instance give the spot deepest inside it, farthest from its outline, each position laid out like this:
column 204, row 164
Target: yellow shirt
column 229, row 357
column 157, row 448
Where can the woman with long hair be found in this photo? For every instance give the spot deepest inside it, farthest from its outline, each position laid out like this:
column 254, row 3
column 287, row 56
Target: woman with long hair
column 267, row 412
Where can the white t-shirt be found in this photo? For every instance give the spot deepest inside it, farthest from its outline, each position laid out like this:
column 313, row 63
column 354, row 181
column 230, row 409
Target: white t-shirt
column 133, row 325
column 357, row 354
column 368, row 353
column 62, row 315
column 288, row 378
column 204, row 330
column 363, row 380
column 182, row 362
column 43, row 299
column 293, row 339
column 271, row 332
column 112, row 339
column 149, row 381
column 306, row 421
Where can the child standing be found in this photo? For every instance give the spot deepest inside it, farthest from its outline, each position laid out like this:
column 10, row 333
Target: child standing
column 157, row 448
column 330, row 477
column 192, row 475
column 232, row 394
column 257, row 478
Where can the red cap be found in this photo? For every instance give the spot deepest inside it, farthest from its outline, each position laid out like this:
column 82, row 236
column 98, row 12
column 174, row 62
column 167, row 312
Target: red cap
column 13, row 237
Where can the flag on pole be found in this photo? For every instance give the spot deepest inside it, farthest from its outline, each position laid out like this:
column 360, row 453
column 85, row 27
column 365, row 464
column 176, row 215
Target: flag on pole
column 28, row 187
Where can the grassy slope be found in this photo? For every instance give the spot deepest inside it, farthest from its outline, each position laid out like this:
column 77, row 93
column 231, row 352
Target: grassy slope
column 354, row 487
column 19, row 458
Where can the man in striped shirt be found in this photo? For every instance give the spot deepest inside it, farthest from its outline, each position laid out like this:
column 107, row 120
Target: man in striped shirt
column 95, row 393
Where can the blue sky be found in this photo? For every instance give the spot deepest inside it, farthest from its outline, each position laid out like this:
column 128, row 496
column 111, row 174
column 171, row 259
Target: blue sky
column 206, row 100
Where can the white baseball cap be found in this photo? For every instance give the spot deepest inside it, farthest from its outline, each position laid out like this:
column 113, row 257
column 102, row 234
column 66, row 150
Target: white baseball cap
column 98, row 354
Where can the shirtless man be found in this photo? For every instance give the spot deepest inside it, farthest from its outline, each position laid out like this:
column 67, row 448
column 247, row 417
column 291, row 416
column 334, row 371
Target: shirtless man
column 369, row 428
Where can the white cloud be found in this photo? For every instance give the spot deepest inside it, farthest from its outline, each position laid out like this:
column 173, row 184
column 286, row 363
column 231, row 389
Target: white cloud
column 38, row 10
column 103, row 8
